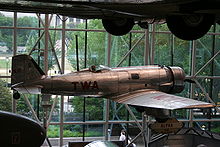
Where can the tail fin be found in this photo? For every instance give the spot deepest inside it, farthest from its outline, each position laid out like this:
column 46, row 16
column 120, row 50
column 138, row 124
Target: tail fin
column 24, row 69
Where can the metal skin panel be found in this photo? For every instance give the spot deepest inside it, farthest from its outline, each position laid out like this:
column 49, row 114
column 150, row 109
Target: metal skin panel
column 145, row 86
column 85, row 83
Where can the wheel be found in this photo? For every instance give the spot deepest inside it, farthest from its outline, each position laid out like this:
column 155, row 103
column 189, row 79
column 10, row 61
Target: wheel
column 16, row 95
column 190, row 27
column 118, row 27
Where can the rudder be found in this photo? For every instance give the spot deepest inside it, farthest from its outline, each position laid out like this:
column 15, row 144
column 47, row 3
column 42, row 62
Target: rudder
column 24, row 69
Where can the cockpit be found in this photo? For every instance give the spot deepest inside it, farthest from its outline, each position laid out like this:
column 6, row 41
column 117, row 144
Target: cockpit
column 100, row 68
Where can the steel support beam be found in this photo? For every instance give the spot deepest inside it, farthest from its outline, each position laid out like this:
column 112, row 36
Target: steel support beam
column 107, row 103
column 63, row 43
column 207, row 63
column 61, row 119
column 41, row 21
column 152, row 44
column 128, row 53
column 147, row 48
column 46, row 43
column 207, row 95
column 31, row 108
column 193, row 70
column 35, row 45
column 144, row 125
column 14, row 102
column 133, row 116
column 63, row 69
column 130, row 121
column 51, row 111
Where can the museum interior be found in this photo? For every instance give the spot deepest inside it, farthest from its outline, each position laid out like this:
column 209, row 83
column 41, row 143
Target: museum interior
column 61, row 44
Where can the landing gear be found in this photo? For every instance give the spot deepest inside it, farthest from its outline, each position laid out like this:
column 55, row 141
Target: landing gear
column 190, row 27
column 16, row 95
column 118, row 27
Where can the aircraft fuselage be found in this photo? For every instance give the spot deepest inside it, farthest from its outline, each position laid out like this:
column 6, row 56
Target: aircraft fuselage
column 112, row 82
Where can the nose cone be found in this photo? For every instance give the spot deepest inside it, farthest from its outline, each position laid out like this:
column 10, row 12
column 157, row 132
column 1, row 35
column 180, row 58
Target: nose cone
column 20, row 131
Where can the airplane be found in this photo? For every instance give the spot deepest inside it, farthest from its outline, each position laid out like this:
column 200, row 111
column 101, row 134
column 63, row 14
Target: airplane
column 143, row 87
column 186, row 19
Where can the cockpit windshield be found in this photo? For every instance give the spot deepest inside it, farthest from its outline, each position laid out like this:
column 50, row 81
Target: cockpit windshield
column 100, row 68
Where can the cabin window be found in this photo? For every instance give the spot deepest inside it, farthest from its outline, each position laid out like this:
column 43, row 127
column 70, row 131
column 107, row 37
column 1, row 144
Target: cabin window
column 135, row 76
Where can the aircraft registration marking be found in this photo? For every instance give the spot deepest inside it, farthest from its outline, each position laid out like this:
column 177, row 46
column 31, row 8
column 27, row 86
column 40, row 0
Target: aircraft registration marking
column 86, row 85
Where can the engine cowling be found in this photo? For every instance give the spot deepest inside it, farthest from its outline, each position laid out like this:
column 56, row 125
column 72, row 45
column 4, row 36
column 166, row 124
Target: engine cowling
column 178, row 77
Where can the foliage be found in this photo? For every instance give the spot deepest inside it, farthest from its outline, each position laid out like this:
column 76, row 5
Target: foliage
column 94, row 107
column 216, row 130
column 5, row 97
column 215, row 127
column 22, row 34
column 93, row 134
column 53, row 132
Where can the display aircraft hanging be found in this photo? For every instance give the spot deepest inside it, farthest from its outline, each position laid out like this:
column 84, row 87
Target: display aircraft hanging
column 187, row 19
column 140, row 86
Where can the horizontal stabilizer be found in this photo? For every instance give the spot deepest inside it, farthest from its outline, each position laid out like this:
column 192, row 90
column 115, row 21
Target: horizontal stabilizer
column 156, row 99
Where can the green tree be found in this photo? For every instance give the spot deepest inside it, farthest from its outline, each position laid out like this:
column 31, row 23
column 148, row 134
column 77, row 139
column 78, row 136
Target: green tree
column 5, row 97
column 95, row 45
column 22, row 34
column 6, row 34
column 94, row 107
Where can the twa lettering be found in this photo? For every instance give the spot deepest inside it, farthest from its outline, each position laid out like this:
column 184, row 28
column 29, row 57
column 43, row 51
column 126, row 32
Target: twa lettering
column 86, row 85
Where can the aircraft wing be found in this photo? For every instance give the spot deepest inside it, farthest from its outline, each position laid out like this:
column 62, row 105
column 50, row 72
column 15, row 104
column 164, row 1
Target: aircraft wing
column 156, row 99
